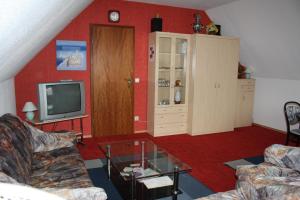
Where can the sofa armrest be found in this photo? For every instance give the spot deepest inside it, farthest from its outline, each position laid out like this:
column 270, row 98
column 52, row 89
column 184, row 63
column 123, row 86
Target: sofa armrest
column 47, row 141
column 4, row 178
column 283, row 156
column 266, row 187
column 229, row 195
column 265, row 169
column 94, row 193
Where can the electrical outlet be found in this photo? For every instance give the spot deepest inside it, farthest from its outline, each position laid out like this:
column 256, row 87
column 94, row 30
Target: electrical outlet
column 136, row 118
column 137, row 80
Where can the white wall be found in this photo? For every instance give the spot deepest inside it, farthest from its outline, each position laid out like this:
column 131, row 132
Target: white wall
column 270, row 95
column 269, row 31
column 7, row 97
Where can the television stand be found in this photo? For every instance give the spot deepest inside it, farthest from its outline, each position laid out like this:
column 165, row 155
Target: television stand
column 54, row 122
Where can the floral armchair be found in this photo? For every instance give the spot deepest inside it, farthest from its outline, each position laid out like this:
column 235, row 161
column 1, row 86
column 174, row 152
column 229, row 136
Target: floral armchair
column 277, row 178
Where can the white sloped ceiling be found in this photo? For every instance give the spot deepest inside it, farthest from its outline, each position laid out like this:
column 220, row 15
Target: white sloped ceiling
column 194, row 4
column 26, row 26
column 269, row 32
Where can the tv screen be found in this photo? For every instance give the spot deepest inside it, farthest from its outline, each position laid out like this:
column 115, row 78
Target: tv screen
column 61, row 99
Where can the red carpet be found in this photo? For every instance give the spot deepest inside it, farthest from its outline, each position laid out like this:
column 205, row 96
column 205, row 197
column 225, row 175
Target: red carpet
column 206, row 154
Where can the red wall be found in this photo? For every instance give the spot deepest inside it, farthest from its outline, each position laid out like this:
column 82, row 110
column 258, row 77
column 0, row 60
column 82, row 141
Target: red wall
column 42, row 68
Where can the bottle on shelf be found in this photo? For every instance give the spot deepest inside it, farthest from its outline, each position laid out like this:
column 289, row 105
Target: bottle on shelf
column 177, row 98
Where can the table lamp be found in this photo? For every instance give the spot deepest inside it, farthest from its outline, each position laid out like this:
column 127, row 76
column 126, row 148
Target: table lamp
column 29, row 107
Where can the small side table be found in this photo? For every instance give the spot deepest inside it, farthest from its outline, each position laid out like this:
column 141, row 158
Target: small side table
column 54, row 122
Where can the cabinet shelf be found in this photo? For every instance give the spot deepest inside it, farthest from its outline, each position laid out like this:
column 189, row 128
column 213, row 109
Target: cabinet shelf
column 163, row 86
column 164, row 70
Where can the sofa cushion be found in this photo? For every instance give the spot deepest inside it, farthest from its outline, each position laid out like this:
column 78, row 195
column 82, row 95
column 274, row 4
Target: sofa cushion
column 15, row 148
column 48, row 141
column 60, row 168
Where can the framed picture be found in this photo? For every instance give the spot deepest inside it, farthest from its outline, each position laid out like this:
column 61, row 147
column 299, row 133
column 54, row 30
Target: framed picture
column 70, row 55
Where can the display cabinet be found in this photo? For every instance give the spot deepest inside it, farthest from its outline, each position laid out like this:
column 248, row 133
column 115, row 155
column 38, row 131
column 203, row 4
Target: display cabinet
column 168, row 83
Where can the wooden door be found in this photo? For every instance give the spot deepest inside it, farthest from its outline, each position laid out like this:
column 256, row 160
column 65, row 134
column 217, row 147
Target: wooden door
column 112, row 58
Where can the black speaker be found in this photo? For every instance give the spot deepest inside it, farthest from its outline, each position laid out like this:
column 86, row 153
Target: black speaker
column 156, row 24
column 219, row 28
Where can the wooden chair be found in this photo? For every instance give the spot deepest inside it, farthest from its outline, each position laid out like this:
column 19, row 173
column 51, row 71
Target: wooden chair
column 292, row 118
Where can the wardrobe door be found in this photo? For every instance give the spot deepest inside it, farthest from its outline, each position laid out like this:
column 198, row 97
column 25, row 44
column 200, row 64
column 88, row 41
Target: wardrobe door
column 204, row 86
column 227, row 62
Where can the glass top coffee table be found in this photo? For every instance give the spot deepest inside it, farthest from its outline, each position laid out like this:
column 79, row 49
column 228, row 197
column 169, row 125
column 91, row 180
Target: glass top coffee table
column 142, row 170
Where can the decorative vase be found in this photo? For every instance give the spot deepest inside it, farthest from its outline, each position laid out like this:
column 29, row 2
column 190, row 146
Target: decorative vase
column 197, row 26
column 177, row 97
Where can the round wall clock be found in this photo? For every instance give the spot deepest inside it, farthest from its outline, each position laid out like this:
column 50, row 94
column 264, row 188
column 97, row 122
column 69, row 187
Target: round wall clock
column 113, row 16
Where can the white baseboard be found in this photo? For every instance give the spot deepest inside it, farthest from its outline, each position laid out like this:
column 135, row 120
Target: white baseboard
column 90, row 135
column 87, row 136
column 142, row 131
column 270, row 128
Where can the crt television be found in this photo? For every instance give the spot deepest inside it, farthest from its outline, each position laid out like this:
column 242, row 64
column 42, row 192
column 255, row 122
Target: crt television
column 61, row 99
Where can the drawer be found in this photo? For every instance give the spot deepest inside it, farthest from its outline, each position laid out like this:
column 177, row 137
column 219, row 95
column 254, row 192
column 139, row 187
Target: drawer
column 246, row 82
column 247, row 88
column 171, row 109
column 170, row 118
column 168, row 129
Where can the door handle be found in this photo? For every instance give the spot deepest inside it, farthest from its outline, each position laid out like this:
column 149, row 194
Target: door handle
column 129, row 81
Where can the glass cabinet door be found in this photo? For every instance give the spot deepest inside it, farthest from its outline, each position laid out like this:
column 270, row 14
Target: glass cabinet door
column 164, row 70
column 181, row 46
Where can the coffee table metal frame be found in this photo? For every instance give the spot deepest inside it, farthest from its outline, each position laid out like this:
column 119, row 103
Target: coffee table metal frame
column 175, row 172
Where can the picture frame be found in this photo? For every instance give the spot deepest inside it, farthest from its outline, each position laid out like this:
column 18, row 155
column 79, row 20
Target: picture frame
column 70, row 55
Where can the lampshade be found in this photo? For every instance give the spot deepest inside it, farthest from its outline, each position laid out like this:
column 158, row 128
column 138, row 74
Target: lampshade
column 29, row 106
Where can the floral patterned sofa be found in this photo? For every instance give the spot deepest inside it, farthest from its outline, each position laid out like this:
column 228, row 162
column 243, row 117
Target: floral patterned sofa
column 51, row 162
column 277, row 178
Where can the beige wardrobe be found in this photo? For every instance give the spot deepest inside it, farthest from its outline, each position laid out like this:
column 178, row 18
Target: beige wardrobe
column 213, row 84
